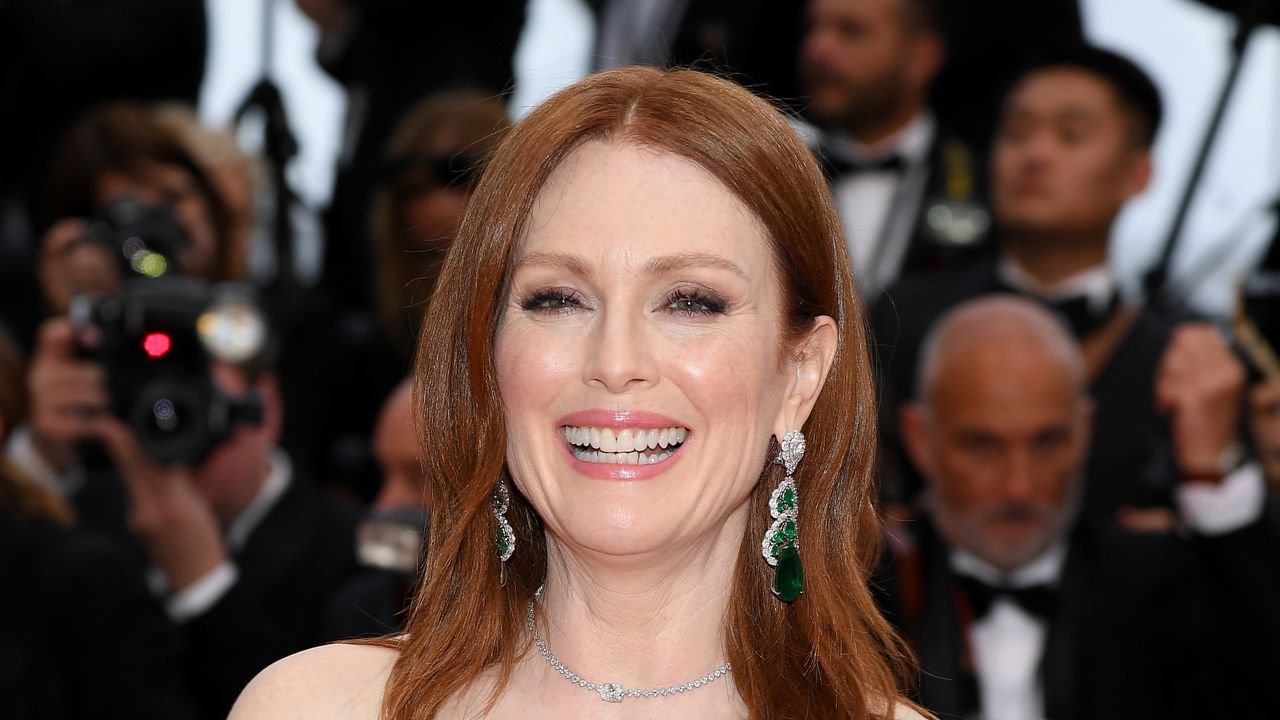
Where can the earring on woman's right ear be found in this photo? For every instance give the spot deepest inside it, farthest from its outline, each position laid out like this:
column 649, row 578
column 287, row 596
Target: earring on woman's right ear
column 503, row 535
column 781, row 545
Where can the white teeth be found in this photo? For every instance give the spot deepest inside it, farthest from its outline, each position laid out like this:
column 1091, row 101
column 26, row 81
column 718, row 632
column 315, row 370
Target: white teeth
column 630, row 446
column 630, row 458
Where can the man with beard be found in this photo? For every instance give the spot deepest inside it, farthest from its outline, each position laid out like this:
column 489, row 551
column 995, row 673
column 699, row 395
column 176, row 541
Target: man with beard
column 1017, row 610
column 907, row 191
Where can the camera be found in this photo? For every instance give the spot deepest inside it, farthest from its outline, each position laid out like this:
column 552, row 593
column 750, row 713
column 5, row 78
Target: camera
column 145, row 240
column 157, row 341
column 393, row 539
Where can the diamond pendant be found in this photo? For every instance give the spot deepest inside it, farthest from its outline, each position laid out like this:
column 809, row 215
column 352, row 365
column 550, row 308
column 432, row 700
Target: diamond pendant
column 610, row 692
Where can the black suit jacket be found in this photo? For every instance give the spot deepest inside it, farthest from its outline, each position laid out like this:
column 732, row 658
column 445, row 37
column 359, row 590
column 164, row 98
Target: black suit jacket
column 756, row 42
column 1143, row 626
column 1130, row 458
column 80, row 634
column 300, row 553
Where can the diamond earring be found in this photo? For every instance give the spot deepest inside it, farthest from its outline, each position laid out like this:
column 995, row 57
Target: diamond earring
column 781, row 545
column 504, row 536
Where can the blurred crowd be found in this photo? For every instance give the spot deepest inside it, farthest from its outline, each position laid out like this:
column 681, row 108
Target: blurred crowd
column 207, row 464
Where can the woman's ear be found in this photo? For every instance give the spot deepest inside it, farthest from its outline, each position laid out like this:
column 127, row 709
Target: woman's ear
column 808, row 365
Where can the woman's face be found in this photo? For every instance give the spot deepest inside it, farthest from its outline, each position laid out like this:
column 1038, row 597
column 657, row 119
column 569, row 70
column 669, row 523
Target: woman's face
column 644, row 312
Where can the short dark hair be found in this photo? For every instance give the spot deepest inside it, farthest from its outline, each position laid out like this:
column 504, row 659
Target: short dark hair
column 1134, row 88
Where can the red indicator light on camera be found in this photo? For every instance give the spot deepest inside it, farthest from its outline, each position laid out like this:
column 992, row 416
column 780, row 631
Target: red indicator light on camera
column 156, row 344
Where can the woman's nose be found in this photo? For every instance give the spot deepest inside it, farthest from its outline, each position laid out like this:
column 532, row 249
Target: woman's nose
column 621, row 356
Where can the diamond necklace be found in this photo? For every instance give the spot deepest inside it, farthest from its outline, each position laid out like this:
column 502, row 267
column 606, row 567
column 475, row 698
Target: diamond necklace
column 613, row 692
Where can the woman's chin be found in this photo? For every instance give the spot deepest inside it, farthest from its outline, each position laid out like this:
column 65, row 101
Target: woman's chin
column 618, row 534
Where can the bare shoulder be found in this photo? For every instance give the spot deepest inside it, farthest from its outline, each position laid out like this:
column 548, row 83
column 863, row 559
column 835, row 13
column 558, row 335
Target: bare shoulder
column 902, row 711
column 338, row 682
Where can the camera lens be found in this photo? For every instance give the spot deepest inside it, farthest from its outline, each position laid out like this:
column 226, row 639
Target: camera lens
column 166, row 418
column 170, row 422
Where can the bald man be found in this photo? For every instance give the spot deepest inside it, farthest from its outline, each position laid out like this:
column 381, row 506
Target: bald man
column 1016, row 610
column 389, row 540
column 396, row 446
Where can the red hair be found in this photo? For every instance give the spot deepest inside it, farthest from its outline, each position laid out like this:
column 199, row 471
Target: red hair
column 828, row 655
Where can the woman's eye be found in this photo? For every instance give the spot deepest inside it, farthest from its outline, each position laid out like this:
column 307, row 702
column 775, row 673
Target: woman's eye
column 552, row 300
column 693, row 302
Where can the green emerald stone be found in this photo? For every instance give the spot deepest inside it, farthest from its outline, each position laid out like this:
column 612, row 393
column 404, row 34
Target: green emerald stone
column 788, row 576
column 789, row 530
column 789, row 497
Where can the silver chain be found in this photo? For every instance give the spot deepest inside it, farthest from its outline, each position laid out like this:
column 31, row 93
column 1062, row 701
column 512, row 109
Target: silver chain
column 613, row 692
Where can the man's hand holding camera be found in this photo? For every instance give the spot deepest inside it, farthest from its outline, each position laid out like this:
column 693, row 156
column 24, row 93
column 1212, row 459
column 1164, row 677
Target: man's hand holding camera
column 70, row 404
column 68, row 395
column 175, row 524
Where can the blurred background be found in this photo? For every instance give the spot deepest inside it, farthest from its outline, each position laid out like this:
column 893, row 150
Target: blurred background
column 1184, row 45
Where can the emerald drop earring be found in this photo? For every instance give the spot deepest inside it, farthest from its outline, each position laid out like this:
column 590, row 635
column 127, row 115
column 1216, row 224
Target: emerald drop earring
column 781, row 545
column 503, row 535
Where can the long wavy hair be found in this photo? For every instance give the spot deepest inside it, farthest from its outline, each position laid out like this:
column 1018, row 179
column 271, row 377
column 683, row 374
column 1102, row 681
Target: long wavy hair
column 828, row 655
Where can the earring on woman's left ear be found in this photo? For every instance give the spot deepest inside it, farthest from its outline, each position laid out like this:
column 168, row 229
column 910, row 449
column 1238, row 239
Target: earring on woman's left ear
column 781, row 545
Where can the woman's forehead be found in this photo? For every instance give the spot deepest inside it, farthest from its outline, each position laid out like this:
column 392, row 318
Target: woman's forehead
column 620, row 202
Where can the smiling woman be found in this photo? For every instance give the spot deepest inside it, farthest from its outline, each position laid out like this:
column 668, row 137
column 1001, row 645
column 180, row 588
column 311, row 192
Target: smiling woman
column 648, row 294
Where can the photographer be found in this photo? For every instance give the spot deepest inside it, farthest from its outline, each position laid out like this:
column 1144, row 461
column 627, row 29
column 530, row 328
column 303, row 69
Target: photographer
column 242, row 548
column 120, row 159
column 242, row 551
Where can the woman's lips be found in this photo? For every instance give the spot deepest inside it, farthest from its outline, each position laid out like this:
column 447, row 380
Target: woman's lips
column 626, row 445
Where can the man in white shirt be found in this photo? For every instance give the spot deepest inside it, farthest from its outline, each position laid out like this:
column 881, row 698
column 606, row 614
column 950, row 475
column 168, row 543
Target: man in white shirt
column 1018, row 611
column 907, row 192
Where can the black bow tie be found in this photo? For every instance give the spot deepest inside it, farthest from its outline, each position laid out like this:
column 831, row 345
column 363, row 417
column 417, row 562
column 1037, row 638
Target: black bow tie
column 1081, row 315
column 1077, row 311
column 1035, row 600
column 838, row 166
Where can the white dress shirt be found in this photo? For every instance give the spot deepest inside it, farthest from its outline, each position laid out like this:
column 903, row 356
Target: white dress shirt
column 1097, row 284
column 1008, row 642
column 878, row 208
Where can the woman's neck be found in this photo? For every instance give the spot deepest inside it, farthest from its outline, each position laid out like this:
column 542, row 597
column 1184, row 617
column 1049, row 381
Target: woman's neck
column 643, row 622
column 1051, row 260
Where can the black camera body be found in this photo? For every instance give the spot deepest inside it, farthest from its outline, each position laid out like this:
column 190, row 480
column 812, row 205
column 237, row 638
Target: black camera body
column 157, row 341
column 145, row 240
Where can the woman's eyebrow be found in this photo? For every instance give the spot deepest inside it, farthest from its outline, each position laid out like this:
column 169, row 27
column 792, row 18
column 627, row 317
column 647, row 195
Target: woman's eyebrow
column 572, row 263
column 679, row 261
column 656, row 266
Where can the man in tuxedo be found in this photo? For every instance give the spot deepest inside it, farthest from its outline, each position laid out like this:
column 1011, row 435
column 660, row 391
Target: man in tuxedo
column 242, row 551
column 1019, row 612
column 907, row 190
column 1074, row 145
